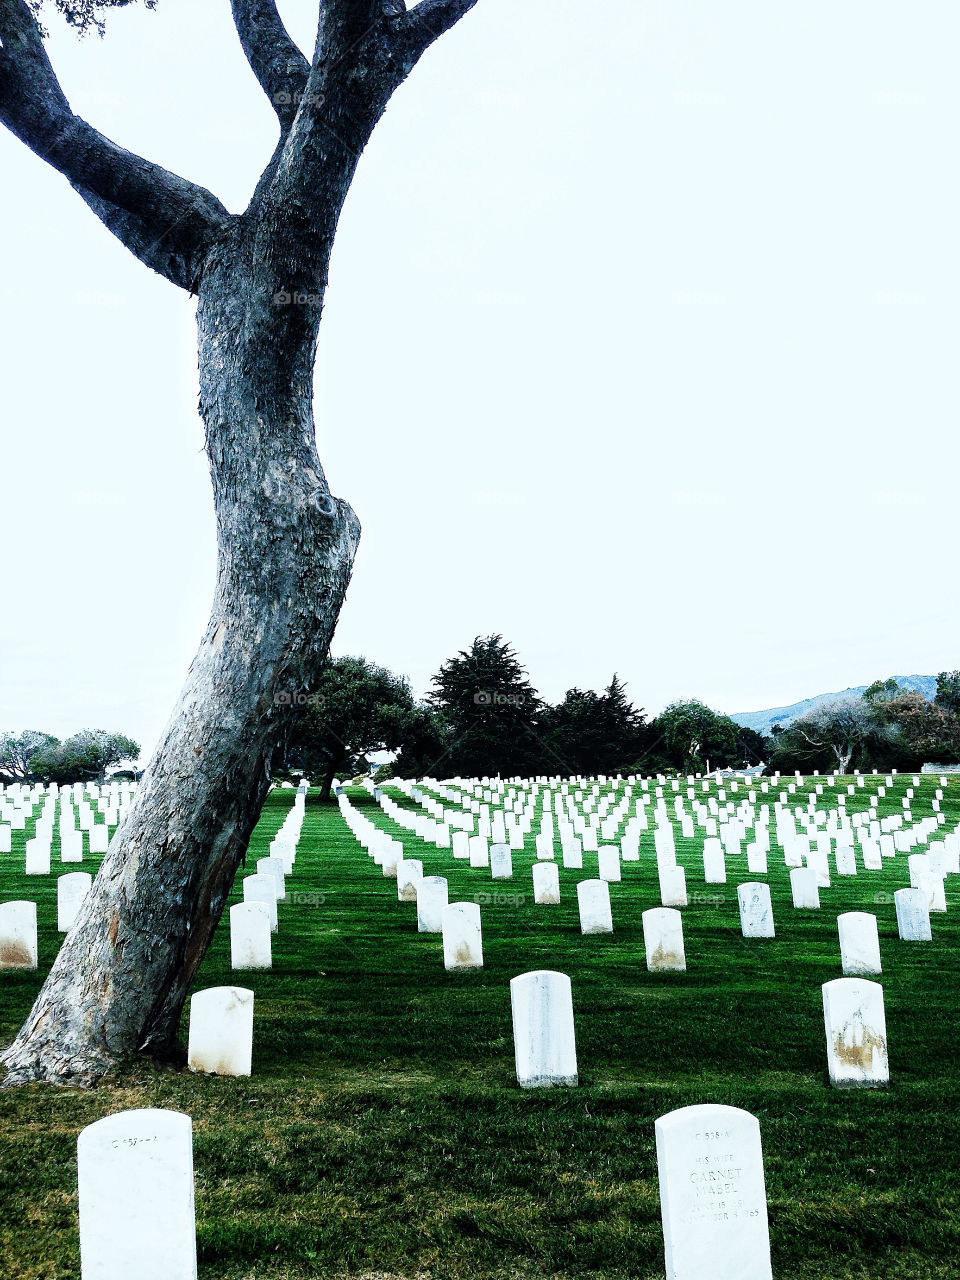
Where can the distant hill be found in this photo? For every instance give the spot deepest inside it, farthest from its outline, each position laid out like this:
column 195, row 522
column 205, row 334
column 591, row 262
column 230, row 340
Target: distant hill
column 763, row 721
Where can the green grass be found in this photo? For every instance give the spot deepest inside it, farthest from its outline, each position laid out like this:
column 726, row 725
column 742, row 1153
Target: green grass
column 382, row 1132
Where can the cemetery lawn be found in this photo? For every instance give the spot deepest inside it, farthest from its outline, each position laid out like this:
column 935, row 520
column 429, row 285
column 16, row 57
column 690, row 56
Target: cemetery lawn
column 382, row 1133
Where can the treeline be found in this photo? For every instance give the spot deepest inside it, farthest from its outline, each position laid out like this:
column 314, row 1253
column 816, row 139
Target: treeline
column 889, row 727
column 30, row 756
column 484, row 717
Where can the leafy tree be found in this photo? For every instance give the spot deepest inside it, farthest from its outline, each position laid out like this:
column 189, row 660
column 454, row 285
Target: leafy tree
column 752, row 747
column 285, row 543
column 948, row 691
column 596, row 733
column 491, row 710
column 85, row 757
column 836, row 735
column 882, row 691
column 356, row 708
column 18, row 751
column 922, row 731
column 692, row 734
column 425, row 749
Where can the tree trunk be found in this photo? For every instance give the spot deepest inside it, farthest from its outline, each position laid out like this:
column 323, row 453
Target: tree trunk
column 328, row 778
column 285, row 551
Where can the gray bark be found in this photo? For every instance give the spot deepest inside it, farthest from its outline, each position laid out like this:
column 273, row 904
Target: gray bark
column 285, row 544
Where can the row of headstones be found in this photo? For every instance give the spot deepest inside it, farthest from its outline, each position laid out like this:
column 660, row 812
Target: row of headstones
column 545, row 1043
column 805, row 881
column 732, row 832
column 137, row 1213
column 478, row 800
column 254, row 920
column 460, row 926
column 220, row 1040
column 912, row 905
column 39, row 847
column 673, row 890
column 251, row 922
column 663, row 931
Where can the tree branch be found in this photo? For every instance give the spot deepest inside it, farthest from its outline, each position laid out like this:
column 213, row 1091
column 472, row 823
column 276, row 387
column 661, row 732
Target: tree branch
column 168, row 222
column 275, row 60
column 429, row 20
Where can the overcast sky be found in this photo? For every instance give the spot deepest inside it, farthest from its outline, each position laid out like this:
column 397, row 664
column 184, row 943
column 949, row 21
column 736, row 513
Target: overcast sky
column 639, row 348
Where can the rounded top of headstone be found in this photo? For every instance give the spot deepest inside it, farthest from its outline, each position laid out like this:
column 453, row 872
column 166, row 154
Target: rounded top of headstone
column 149, row 1122
column 707, row 1117
column 548, row 977
column 463, row 908
column 222, row 995
column 851, row 985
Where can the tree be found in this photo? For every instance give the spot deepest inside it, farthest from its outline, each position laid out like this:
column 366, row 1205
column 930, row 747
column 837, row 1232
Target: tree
column 693, row 734
column 752, row 747
column 921, row 731
column 18, row 751
column 882, row 691
column 85, row 757
column 491, row 710
column 356, row 708
column 948, row 691
column 285, row 543
column 596, row 733
column 840, row 733
column 425, row 749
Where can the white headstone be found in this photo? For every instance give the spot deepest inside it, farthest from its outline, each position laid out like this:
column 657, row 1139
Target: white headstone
column 573, row 854
column 712, row 1195
column 714, row 864
column 99, row 838
column 756, row 859
column 250, row 936
column 462, row 941
column 663, row 940
column 913, row 915
column 221, row 1031
column 608, row 863
column 37, row 857
column 818, row 861
column 593, row 899
column 263, row 888
column 931, row 885
column 71, row 846
column 856, row 1033
column 756, row 910
column 673, row 886
column 846, row 860
column 546, row 883
column 803, row 885
column 859, row 943
column 543, row 1031
column 409, row 875
column 18, row 935
column 137, row 1217
column 431, row 900
column 479, row 851
column 273, row 867
column 71, row 891
column 501, row 862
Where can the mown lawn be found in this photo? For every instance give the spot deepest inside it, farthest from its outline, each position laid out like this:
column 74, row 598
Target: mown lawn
column 383, row 1134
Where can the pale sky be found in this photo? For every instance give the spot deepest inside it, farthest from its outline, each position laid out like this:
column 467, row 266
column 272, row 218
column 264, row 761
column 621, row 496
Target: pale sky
column 639, row 348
